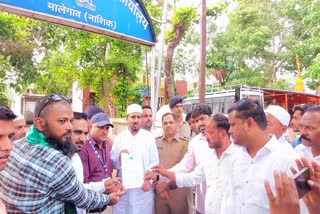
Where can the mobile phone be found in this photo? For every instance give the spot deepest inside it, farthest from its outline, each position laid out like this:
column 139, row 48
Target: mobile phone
column 300, row 180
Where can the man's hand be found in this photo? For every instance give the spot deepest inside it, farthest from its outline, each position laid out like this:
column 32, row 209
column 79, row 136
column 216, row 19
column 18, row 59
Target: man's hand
column 146, row 186
column 314, row 195
column 162, row 171
column 286, row 199
column 113, row 185
column 151, row 175
column 311, row 198
column 115, row 197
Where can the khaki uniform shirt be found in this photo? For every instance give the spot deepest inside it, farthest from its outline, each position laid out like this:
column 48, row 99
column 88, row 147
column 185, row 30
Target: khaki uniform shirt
column 184, row 130
column 171, row 153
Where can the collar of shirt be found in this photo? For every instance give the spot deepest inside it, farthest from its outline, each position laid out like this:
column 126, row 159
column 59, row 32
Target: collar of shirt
column 271, row 146
column 177, row 138
column 202, row 137
column 95, row 143
column 231, row 150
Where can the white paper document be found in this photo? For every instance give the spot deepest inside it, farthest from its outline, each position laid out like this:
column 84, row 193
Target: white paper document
column 132, row 171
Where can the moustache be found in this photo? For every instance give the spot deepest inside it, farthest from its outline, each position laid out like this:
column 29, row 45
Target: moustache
column 80, row 142
column 67, row 134
column 304, row 137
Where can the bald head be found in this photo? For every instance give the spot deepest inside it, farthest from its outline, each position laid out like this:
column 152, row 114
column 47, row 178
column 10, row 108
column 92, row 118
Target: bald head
column 44, row 105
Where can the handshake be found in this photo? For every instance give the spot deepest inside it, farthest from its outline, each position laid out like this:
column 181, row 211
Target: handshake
column 161, row 187
column 113, row 185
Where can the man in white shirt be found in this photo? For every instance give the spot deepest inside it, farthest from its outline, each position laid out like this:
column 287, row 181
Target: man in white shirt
column 278, row 120
column 193, row 125
column 147, row 121
column 216, row 169
column 141, row 148
column 259, row 157
column 78, row 138
column 20, row 126
column 310, row 134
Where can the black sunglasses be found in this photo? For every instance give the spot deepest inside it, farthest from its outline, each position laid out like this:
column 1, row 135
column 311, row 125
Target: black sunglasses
column 50, row 98
column 4, row 107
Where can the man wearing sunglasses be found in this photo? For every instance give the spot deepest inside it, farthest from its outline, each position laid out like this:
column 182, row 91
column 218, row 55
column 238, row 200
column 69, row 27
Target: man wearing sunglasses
column 6, row 133
column 39, row 177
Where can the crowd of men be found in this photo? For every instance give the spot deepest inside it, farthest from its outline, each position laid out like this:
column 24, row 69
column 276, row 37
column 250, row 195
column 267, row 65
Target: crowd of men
column 68, row 162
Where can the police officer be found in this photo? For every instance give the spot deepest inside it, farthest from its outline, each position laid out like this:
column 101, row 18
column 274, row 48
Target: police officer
column 176, row 108
column 171, row 148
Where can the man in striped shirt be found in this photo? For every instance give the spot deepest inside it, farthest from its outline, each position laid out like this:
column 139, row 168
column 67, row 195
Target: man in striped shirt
column 39, row 177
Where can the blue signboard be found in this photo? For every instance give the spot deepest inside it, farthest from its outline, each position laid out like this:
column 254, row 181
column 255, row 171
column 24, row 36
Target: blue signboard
column 123, row 19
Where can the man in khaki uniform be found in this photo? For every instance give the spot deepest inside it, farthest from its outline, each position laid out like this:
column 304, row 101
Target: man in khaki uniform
column 171, row 148
column 176, row 108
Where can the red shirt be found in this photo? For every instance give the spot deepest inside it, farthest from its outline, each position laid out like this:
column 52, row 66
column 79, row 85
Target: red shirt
column 93, row 171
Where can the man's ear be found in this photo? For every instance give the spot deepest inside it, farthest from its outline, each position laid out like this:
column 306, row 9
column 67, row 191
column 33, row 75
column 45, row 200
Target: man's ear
column 40, row 124
column 284, row 128
column 250, row 122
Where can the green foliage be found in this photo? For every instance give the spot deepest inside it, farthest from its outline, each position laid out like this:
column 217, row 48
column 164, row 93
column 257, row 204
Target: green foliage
column 16, row 50
column 217, row 8
column 3, row 98
column 182, row 18
column 155, row 12
column 313, row 71
column 58, row 70
column 262, row 39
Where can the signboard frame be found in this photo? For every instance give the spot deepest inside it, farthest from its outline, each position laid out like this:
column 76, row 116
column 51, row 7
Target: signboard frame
column 132, row 25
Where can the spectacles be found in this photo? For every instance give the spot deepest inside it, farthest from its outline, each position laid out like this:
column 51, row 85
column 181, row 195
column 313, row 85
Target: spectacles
column 50, row 98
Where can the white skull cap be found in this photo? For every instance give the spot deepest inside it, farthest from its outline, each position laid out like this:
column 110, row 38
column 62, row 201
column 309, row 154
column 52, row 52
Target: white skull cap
column 280, row 113
column 134, row 108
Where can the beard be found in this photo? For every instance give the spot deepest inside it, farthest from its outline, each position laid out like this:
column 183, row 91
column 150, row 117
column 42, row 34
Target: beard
column 67, row 148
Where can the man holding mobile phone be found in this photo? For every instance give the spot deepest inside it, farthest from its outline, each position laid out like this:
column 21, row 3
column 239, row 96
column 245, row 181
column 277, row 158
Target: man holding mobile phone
column 286, row 198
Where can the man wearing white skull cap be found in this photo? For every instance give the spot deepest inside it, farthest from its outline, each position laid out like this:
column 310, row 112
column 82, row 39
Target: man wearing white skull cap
column 137, row 145
column 278, row 120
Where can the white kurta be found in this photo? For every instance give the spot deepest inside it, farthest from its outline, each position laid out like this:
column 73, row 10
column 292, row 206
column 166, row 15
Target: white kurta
column 216, row 172
column 143, row 145
column 246, row 193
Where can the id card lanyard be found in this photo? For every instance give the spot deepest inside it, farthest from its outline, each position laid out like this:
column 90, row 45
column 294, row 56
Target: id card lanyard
column 103, row 164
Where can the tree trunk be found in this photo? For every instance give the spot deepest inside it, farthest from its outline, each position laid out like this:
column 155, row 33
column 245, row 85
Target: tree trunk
column 179, row 30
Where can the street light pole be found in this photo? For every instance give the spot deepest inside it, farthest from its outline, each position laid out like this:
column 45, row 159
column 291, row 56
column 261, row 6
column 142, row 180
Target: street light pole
column 202, row 72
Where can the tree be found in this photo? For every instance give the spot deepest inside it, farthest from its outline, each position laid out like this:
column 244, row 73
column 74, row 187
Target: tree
column 52, row 57
column 109, row 67
column 263, row 38
column 304, row 22
column 181, row 21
